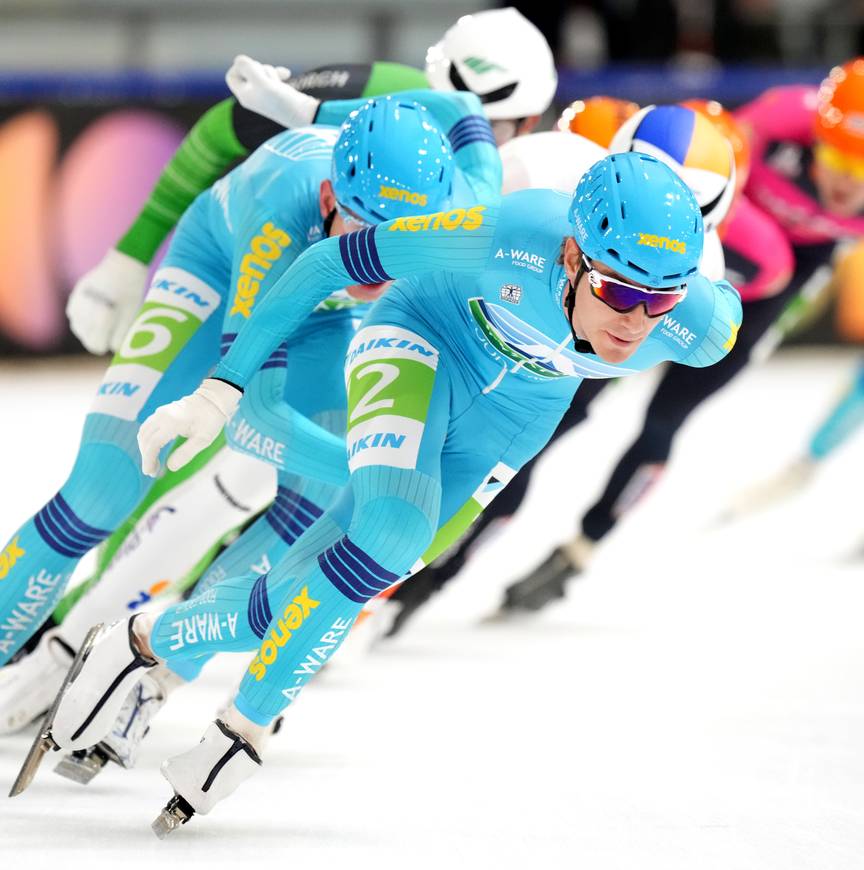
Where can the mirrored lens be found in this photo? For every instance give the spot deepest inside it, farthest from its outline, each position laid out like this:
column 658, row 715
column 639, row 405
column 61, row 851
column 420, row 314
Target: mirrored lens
column 623, row 298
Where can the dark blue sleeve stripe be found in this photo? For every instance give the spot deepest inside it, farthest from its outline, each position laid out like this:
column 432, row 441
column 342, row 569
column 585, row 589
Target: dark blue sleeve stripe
column 356, row 266
column 76, row 520
column 351, row 247
column 288, row 520
column 279, row 528
column 472, row 122
column 372, row 257
column 337, row 581
column 356, row 570
column 300, row 501
column 360, row 257
column 368, row 561
column 359, row 585
column 289, row 499
column 61, row 534
column 346, row 258
column 472, row 129
column 63, row 530
column 466, row 140
column 260, row 615
column 54, row 544
column 363, row 256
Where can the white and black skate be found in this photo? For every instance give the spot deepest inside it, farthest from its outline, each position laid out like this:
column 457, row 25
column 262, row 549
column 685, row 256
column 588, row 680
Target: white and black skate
column 44, row 742
column 29, row 685
column 205, row 775
column 102, row 675
column 130, row 728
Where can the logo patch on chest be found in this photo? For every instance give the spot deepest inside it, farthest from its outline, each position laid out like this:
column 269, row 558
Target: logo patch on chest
column 511, row 293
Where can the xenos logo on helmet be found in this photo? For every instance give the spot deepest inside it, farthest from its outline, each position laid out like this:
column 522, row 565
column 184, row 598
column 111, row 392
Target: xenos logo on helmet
column 294, row 616
column 10, row 555
column 266, row 248
column 402, row 195
column 468, row 219
column 653, row 241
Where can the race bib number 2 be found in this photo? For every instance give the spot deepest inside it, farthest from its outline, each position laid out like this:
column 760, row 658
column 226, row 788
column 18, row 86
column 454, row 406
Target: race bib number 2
column 175, row 307
column 390, row 375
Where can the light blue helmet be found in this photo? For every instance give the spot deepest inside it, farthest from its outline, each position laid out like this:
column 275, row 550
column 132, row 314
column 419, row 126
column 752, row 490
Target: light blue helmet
column 634, row 214
column 391, row 161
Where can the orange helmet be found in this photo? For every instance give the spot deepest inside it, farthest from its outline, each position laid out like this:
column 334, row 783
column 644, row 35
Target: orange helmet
column 726, row 124
column 597, row 118
column 840, row 108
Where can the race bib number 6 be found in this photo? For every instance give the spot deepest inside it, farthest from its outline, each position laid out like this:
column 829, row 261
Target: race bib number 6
column 389, row 375
column 175, row 307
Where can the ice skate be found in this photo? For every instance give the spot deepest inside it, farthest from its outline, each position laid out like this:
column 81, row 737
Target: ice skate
column 205, row 775
column 29, row 685
column 548, row 581
column 122, row 744
column 102, row 675
column 44, row 741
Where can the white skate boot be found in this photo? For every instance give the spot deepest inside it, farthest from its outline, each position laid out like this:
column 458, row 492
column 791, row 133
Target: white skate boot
column 103, row 673
column 28, row 686
column 130, row 728
column 205, row 775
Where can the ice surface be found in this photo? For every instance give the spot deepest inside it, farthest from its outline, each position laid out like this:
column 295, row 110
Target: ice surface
column 696, row 703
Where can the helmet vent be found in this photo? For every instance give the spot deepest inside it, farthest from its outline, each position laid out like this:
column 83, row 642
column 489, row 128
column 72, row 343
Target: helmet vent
column 352, row 171
column 369, row 160
column 604, row 224
column 637, row 267
column 623, row 212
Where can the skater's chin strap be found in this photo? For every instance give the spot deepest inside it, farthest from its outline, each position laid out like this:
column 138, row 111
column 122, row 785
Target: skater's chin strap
column 580, row 345
column 328, row 222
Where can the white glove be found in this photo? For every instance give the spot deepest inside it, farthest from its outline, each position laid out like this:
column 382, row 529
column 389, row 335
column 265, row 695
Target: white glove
column 264, row 89
column 104, row 302
column 199, row 417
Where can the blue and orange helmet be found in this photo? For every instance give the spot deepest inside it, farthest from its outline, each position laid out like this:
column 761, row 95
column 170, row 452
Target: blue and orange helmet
column 687, row 142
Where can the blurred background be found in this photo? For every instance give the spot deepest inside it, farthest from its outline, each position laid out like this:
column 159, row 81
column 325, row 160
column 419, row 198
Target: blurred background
column 96, row 94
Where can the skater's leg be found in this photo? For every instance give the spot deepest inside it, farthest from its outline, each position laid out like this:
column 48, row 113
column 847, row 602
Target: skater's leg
column 845, row 418
column 680, row 392
column 409, row 597
column 169, row 347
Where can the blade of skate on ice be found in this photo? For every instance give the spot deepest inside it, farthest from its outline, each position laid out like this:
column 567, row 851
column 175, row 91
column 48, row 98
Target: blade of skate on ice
column 43, row 742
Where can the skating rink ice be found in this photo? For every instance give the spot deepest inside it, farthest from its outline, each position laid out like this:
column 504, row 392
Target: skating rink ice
column 697, row 702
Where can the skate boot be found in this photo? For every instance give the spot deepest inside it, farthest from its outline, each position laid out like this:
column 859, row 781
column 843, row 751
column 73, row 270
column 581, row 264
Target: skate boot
column 28, row 686
column 132, row 725
column 103, row 673
column 547, row 582
column 205, row 775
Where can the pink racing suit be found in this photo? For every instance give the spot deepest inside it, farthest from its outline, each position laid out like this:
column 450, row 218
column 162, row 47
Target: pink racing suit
column 781, row 127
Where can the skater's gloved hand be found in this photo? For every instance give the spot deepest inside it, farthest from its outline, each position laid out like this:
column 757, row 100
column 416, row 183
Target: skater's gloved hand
column 199, row 418
column 264, row 89
column 104, row 302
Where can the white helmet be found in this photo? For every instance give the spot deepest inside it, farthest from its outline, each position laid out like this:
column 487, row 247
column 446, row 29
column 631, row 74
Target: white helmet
column 686, row 141
column 499, row 55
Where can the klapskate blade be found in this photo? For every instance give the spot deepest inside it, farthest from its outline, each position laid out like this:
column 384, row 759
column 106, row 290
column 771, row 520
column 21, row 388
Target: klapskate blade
column 43, row 742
